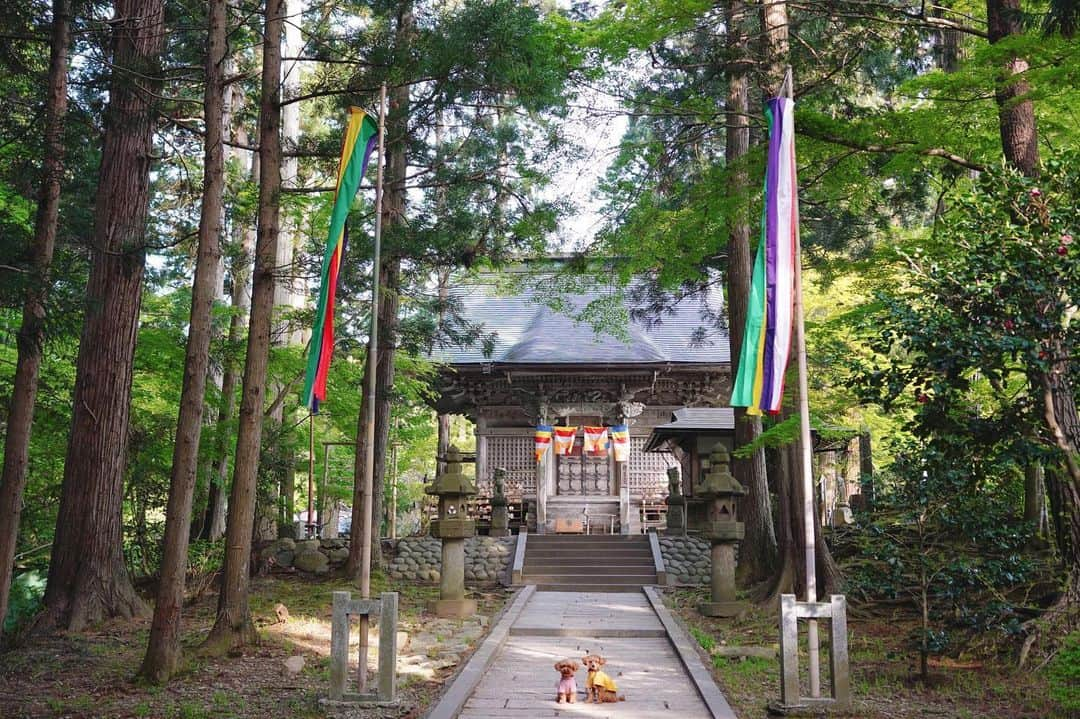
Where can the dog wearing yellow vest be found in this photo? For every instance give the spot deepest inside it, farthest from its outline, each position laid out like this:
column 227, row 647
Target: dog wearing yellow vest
column 599, row 687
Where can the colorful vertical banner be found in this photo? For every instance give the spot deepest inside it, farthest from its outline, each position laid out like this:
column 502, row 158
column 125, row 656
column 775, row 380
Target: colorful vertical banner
column 361, row 136
column 620, row 442
column 759, row 384
column 596, row 441
column 543, row 440
column 564, row 440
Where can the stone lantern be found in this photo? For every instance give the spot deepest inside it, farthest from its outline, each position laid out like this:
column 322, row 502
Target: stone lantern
column 453, row 489
column 500, row 513
column 722, row 527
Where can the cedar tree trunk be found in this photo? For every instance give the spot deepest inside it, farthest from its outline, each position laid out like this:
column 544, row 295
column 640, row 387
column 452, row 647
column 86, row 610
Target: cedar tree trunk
column 233, row 626
column 88, row 580
column 32, row 333
column 757, row 553
column 1019, row 135
column 163, row 649
column 394, row 199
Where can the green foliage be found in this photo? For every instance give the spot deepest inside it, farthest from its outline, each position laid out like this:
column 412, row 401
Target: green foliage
column 982, row 309
column 1064, row 673
column 27, row 590
column 948, row 541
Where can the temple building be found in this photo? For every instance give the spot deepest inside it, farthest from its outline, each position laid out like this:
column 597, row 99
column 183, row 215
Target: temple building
column 579, row 352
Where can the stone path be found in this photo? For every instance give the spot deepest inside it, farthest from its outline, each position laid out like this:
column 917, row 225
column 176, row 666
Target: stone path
column 519, row 680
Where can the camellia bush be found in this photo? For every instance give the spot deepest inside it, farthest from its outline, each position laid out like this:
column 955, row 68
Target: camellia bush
column 979, row 338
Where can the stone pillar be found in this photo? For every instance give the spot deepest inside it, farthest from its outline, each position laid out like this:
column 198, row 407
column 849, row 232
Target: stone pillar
column 500, row 515
column 723, row 573
column 452, row 527
column 721, row 491
column 451, row 576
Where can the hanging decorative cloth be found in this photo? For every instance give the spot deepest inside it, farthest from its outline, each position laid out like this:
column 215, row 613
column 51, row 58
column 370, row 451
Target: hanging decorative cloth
column 564, row 440
column 596, row 441
column 543, row 440
column 620, row 442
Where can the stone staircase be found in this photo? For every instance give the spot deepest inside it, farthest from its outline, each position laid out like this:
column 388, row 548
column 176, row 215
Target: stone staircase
column 588, row 563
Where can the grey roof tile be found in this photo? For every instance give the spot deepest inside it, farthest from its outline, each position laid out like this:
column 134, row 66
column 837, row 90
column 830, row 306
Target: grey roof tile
column 529, row 331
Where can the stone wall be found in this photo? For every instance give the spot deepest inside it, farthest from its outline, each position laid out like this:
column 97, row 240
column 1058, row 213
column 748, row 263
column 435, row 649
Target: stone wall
column 417, row 559
column 686, row 559
column 315, row 556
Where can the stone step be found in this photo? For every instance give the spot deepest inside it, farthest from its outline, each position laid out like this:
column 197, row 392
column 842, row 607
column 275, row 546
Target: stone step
column 606, row 570
column 594, row 587
column 585, row 582
column 554, row 551
column 587, row 540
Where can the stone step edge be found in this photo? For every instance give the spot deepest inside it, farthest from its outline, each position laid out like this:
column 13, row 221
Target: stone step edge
column 587, row 632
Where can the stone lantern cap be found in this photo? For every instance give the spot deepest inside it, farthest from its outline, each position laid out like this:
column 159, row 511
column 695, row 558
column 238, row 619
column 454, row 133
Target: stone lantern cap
column 719, row 481
column 453, row 481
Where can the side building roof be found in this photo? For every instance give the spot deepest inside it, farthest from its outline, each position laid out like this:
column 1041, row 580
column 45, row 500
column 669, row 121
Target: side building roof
column 534, row 319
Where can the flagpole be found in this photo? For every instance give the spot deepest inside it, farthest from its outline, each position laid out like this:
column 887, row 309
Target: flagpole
column 804, row 439
column 369, row 419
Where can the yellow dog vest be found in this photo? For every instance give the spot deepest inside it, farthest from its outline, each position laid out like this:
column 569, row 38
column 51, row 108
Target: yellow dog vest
column 602, row 680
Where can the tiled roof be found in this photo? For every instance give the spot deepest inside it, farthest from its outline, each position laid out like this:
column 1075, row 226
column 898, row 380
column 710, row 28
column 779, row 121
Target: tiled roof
column 527, row 331
column 690, row 421
column 701, row 418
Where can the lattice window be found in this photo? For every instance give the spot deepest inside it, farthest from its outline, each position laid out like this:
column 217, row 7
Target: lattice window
column 648, row 471
column 514, row 453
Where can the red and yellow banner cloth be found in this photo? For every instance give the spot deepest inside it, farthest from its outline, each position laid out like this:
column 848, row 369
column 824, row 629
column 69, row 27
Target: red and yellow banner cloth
column 620, row 442
column 564, row 440
column 596, row 441
column 543, row 440
column 361, row 136
column 759, row 384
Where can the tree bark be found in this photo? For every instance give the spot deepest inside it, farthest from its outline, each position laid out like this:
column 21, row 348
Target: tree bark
column 214, row 525
column 393, row 217
column 790, row 572
column 1016, row 116
column 88, row 579
column 32, row 332
column 163, row 649
column 233, row 626
column 757, row 553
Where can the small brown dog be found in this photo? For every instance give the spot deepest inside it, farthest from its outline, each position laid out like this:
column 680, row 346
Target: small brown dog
column 599, row 687
column 567, row 686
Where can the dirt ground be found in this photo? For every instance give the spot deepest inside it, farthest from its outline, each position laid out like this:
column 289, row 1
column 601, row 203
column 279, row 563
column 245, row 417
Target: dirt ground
column 91, row 674
column 884, row 670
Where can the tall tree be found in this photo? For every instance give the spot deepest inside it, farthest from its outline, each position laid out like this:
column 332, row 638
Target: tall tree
column 163, row 649
column 243, row 246
column 394, row 209
column 789, row 574
column 233, row 625
column 758, row 553
column 32, row 333
column 88, row 579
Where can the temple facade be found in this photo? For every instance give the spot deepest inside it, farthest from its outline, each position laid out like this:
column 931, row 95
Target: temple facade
column 594, row 355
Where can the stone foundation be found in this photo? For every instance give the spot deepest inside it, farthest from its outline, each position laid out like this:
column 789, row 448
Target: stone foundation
column 686, row 559
column 417, row 559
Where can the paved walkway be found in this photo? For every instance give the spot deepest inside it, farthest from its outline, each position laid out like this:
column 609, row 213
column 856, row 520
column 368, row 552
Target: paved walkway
column 518, row 678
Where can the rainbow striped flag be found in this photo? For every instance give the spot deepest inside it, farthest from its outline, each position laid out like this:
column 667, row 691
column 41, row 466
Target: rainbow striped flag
column 620, row 442
column 759, row 384
column 361, row 136
column 543, row 440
